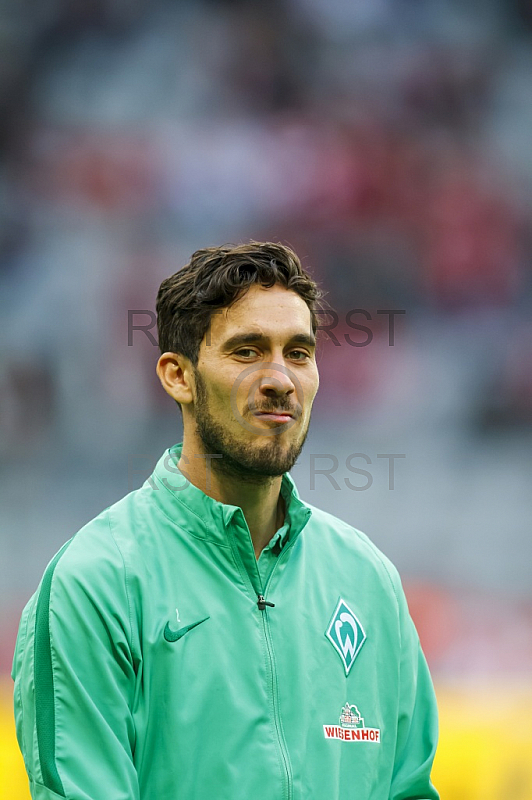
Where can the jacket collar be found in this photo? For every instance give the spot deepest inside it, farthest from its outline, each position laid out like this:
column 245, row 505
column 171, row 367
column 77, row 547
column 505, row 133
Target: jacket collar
column 180, row 499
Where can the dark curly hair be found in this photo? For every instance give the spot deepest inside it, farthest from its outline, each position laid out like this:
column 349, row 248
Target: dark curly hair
column 215, row 278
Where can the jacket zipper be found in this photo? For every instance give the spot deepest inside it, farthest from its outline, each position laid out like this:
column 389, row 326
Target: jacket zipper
column 262, row 603
column 275, row 702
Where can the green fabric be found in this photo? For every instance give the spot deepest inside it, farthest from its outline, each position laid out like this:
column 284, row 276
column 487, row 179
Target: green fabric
column 40, row 792
column 44, row 682
column 246, row 704
column 268, row 557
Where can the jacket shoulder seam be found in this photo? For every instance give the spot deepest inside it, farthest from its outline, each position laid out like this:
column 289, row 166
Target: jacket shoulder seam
column 363, row 539
column 43, row 677
column 126, row 578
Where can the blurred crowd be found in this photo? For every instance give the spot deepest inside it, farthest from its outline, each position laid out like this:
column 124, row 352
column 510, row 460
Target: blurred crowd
column 386, row 140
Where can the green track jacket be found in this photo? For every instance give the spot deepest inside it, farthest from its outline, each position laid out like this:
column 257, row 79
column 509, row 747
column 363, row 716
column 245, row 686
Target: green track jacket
column 159, row 660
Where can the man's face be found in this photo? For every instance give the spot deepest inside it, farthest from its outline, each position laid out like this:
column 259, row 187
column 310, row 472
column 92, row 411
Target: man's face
column 257, row 357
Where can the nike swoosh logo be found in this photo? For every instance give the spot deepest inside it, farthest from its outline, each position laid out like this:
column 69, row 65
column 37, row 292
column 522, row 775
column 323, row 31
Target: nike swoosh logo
column 173, row 636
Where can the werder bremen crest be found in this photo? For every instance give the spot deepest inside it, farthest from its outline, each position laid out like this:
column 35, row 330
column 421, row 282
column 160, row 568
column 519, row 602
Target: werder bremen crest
column 346, row 634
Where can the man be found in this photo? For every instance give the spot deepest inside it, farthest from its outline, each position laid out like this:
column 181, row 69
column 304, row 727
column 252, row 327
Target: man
column 211, row 636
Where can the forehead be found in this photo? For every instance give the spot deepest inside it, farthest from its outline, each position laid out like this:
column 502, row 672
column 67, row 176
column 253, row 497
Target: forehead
column 275, row 313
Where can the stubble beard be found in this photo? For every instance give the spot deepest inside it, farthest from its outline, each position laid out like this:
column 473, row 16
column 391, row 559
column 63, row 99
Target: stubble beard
column 249, row 462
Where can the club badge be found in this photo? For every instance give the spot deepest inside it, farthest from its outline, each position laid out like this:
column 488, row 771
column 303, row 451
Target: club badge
column 346, row 634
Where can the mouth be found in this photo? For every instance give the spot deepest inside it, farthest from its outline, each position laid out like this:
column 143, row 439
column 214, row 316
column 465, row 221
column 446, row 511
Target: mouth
column 275, row 416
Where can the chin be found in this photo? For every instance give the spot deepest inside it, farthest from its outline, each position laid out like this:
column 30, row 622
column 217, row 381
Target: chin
column 273, row 458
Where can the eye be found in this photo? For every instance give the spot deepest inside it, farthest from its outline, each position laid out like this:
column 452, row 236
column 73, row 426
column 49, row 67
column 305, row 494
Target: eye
column 301, row 355
column 245, row 352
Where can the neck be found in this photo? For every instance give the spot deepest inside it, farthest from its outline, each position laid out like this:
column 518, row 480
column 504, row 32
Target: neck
column 261, row 502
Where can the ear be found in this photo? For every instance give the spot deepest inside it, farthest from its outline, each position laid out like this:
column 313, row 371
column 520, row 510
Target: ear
column 175, row 373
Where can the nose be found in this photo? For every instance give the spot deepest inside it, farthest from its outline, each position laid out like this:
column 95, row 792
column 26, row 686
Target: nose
column 276, row 384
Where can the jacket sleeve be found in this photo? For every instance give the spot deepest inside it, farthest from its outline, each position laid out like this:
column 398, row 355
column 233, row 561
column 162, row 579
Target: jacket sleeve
column 417, row 727
column 74, row 675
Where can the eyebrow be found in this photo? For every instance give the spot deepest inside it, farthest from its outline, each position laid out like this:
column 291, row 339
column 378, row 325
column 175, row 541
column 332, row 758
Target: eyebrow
column 254, row 338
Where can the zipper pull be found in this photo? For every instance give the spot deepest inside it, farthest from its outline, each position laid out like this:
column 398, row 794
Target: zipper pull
column 262, row 603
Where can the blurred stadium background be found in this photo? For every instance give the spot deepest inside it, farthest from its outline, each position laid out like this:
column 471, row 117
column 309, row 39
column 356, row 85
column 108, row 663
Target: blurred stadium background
column 388, row 141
